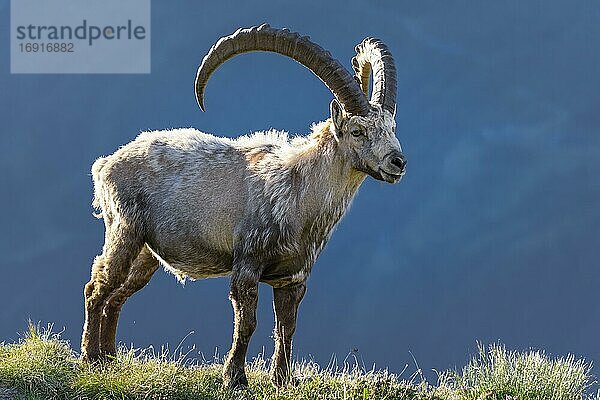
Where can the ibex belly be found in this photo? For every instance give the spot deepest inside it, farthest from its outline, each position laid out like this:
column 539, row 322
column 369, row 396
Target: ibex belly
column 195, row 262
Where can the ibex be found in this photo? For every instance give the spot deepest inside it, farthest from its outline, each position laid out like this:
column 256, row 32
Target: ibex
column 259, row 208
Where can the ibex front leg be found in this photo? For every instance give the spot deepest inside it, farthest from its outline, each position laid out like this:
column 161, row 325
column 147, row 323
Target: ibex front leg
column 285, row 305
column 244, row 297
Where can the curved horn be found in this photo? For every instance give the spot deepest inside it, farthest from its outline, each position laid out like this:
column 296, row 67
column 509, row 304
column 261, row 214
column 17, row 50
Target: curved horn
column 373, row 54
column 264, row 38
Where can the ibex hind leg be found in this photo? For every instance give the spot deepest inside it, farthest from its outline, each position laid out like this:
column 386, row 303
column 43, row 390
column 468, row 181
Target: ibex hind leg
column 122, row 245
column 144, row 266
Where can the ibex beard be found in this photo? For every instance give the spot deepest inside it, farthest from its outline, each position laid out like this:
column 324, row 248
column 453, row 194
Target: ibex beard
column 259, row 208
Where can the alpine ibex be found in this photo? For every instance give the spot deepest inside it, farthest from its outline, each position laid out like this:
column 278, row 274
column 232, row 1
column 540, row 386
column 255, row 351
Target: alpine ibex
column 259, row 208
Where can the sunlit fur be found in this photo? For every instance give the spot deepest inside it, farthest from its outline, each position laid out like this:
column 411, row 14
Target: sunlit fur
column 264, row 192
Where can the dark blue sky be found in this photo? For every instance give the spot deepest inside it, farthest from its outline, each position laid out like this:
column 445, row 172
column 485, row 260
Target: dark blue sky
column 493, row 235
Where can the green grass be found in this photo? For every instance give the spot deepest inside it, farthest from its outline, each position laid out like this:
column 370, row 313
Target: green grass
column 42, row 366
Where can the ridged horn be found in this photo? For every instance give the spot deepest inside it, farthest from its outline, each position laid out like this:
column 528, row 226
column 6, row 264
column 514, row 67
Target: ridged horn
column 373, row 54
column 264, row 38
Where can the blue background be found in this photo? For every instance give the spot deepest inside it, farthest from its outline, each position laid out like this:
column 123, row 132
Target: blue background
column 494, row 233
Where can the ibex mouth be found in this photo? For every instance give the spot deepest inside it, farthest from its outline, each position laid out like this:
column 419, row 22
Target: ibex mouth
column 389, row 177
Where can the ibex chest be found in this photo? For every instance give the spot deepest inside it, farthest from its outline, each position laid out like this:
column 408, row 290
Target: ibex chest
column 292, row 256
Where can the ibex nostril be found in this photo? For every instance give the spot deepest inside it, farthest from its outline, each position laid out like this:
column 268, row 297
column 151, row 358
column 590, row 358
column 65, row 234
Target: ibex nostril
column 399, row 162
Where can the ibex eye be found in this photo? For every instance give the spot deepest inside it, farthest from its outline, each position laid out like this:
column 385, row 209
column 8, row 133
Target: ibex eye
column 357, row 132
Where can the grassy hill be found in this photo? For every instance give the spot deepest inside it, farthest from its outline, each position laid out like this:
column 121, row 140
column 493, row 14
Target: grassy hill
column 42, row 366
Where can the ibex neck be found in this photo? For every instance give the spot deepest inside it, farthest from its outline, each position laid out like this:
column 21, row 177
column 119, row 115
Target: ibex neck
column 331, row 182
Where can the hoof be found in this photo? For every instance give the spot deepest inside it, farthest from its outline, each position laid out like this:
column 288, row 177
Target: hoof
column 235, row 379
column 237, row 385
column 90, row 356
column 96, row 359
column 281, row 381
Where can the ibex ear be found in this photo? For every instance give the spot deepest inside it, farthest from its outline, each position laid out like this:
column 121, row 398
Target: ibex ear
column 337, row 115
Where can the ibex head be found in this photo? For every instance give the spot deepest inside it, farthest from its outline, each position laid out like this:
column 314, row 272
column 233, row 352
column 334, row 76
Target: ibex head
column 368, row 133
column 364, row 129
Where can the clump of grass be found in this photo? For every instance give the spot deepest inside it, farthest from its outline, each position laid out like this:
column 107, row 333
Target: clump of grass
column 42, row 366
column 498, row 374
